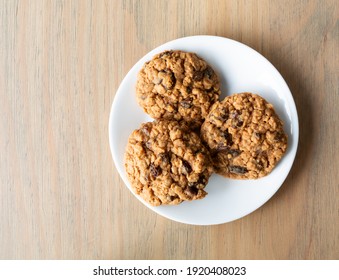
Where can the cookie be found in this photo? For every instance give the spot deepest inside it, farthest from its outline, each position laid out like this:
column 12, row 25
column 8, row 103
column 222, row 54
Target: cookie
column 245, row 136
column 166, row 163
column 177, row 85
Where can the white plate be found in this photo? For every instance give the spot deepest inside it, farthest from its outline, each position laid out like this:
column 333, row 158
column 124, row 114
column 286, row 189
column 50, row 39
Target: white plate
column 240, row 69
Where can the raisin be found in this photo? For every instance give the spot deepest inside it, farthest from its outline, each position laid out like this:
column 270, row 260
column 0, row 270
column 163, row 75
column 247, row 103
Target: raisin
column 171, row 84
column 148, row 145
column 228, row 137
column 260, row 153
column 173, row 79
column 155, row 170
column 259, row 165
column 222, row 148
column 198, row 75
column 224, row 115
column 234, row 114
column 166, row 53
column 165, row 157
column 240, row 123
column 191, row 190
column 187, row 103
column 187, row 167
column 257, row 135
column 237, row 169
column 234, row 152
column 237, row 121
column 202, row 180
column 279, row 136
column 209, row 72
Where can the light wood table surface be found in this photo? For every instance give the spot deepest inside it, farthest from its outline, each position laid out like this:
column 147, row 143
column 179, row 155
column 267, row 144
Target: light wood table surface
column 61, row 63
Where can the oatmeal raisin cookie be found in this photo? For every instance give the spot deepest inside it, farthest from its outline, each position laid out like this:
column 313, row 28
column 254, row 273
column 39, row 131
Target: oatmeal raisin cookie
column 245, row 136
column 177, row 85
column 166, row 163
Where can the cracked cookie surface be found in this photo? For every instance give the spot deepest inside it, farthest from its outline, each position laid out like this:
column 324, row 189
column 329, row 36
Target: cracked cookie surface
column 245, row 136
column 166, row 163
column 177, row 85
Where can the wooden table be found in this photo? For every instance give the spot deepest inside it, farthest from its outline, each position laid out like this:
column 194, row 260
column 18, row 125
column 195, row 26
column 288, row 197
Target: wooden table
column 60, row 194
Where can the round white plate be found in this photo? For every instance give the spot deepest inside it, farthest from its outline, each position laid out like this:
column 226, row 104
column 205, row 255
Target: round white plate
column 240, row 69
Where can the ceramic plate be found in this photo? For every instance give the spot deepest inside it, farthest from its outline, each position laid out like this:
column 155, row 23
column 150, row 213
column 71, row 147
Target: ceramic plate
column 240, row 69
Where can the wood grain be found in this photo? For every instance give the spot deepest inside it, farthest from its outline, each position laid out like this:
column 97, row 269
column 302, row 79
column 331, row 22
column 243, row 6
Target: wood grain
column 61, row 64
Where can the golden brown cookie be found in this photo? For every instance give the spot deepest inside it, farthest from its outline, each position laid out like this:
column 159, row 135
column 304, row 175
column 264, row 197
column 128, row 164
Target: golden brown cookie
column 177, row 85
column 166, row 163
column 245, row 136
